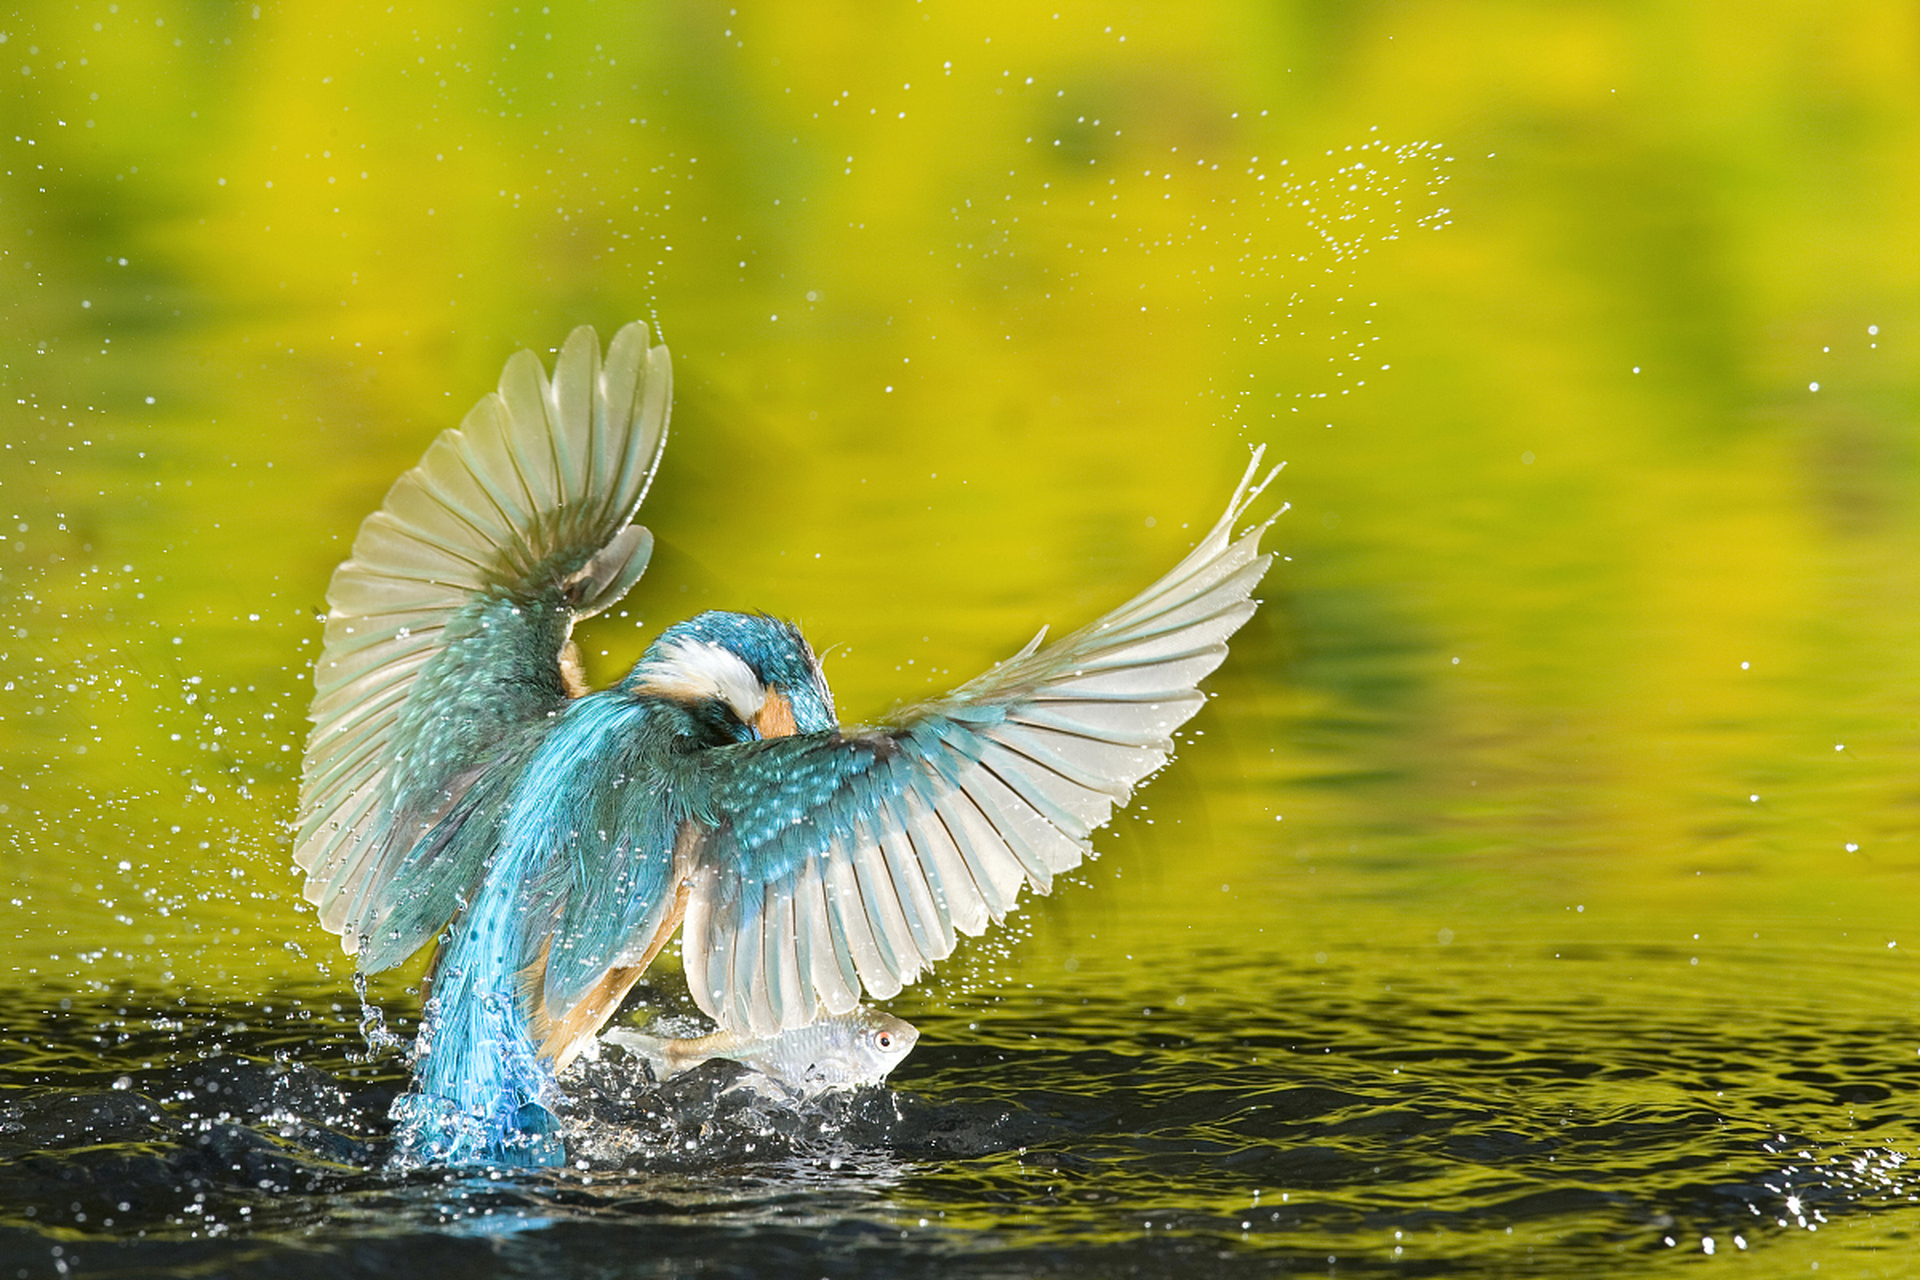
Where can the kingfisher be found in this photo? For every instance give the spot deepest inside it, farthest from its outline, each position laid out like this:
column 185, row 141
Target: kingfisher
column 463, row 789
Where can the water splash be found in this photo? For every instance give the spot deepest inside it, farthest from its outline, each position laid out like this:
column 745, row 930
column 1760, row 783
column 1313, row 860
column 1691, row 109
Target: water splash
column 373, row 1024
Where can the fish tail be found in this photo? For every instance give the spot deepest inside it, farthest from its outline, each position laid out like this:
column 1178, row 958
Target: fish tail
column 660, row 1055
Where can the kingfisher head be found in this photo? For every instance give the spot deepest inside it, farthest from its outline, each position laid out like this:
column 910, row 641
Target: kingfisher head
column 742, row 675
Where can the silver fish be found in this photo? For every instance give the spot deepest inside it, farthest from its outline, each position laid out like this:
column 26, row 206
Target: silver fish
column 840, row 1052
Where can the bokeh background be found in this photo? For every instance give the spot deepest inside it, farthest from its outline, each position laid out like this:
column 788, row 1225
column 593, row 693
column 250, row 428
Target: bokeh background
column 1588, row 332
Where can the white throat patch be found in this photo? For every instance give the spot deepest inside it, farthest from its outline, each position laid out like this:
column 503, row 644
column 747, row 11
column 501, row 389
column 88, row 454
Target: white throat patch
column 696, row 671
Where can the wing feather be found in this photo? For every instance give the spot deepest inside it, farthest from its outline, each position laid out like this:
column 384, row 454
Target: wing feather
column 784, row 993
column 929, row 930
column 1090, row 763
column 1123, row 724
column 996, row 871
column 830, row 960
column 961, row 901
column 446, row 478
column 742, row 962
column 528, row 455
column 1042, row 805
column 850, row 920
column 877, row 849
column 886, row 920
column 373, row 592
column 1144, row 683
column 358, row 817
column 354, row 743
column 376, row 688
column 931, row 861
column 442, row 647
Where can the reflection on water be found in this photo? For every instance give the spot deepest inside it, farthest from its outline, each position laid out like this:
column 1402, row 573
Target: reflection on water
column 1535, row 895
column 1414, row 1123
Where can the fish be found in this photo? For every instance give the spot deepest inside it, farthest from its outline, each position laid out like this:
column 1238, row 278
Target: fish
column 841, row 1052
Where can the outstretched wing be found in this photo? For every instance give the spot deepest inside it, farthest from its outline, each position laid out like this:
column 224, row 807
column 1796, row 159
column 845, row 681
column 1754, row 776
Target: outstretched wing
column 443, row 645
column 833, row 862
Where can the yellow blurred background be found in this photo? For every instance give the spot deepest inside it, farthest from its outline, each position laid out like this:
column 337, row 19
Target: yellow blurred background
column 1588, row 331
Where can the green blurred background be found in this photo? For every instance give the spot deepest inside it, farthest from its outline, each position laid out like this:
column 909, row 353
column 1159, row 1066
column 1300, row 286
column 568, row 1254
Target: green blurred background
column 1589, row 333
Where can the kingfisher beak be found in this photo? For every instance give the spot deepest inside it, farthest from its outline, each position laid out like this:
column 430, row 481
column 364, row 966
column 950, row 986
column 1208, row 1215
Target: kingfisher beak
column 775, row 718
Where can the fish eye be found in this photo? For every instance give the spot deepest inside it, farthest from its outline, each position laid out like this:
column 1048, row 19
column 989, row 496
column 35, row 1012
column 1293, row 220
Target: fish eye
column 884, row 1039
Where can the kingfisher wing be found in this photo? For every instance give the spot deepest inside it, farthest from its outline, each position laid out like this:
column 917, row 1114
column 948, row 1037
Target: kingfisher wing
column 830, row 863
column 442, row 658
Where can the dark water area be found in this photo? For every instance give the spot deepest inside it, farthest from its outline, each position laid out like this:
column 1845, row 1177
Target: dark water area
column 1339, row 1134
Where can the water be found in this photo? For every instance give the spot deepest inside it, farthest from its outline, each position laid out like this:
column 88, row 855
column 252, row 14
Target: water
column 1534, row 897
column 1423, row 1126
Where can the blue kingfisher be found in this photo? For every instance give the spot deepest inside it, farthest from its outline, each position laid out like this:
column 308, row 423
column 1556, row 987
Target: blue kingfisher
column 464, row 789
